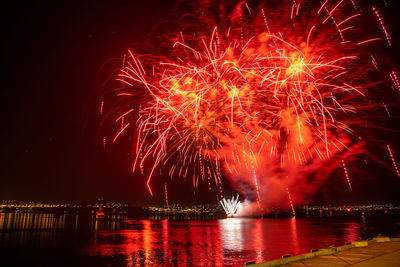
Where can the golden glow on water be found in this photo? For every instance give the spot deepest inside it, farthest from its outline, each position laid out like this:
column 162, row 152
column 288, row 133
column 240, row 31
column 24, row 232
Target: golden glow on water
column 31, row 221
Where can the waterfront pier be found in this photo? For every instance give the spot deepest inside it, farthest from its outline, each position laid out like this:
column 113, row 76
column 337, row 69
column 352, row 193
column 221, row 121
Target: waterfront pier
column 380, row 251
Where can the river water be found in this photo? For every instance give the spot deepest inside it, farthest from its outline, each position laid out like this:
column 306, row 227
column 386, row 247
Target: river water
column 29, row 239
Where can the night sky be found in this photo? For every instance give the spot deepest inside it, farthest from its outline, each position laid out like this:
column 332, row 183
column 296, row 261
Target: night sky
column 55, row 60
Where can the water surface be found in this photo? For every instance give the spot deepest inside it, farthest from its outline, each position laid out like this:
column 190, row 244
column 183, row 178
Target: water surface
column 76, row 240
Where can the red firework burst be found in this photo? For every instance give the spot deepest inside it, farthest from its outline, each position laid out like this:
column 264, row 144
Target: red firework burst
column 249, row 89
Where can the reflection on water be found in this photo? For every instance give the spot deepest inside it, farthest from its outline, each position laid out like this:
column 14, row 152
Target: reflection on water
column 232, row 236
column 31, row 221
column 116, row 241
column 54, row 221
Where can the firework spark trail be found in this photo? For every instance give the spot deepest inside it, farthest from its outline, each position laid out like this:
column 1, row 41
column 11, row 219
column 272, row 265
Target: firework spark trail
column 257, row 189
column 386, row 109
column 347, row 175
column 101, row 108
column 395, row 80
column 393, row 160
column 166, row 195
column 374, row 62
column 381, row 22
column 291, row 203
column 104, row 142
column 354, row 4
column 219, row 175
column 288, row 99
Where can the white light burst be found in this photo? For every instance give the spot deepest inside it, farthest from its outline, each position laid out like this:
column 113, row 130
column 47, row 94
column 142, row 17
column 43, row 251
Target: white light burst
column 231, row 206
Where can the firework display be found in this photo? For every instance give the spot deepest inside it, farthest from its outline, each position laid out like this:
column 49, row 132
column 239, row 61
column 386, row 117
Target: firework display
column 264, row 94
column 230, row 206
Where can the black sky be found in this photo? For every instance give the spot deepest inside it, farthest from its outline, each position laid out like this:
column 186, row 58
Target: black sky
column 54, row 56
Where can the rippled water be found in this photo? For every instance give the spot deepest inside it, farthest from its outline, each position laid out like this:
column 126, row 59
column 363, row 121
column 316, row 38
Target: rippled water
column 71, row 240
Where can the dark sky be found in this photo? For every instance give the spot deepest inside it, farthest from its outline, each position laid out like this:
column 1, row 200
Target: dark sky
column 54, row 56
